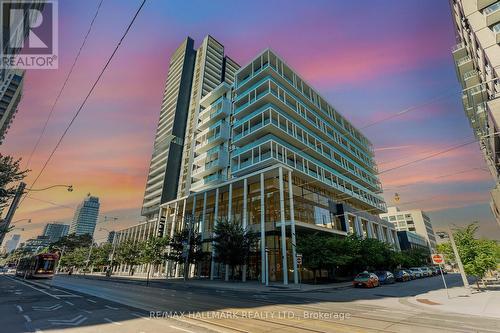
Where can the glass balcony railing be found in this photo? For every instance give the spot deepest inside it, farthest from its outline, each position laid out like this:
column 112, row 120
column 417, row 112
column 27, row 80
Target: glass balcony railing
column 492, row 8
column 463, row 60
column 496, row 28
column 457, row 47
column 470, row 74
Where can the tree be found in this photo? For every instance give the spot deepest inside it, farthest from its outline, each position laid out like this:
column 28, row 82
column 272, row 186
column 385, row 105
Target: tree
column 154, row 253
column 478, row 255
column 100, row 255
column 71, row 242
column 233, row 244
column 76, row 258
column 10, row 172
column 129, row 253
column 179, row 243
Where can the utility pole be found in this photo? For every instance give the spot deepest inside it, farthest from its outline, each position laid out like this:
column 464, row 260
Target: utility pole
column 459, row 261
column 12, row 209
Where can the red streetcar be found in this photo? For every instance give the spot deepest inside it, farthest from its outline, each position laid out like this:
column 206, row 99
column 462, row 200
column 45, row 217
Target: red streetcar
column 38, row 266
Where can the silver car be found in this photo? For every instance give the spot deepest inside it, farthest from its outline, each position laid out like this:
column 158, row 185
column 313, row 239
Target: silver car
column 417, row 271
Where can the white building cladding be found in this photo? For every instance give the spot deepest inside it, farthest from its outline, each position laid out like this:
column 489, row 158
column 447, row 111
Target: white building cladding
column 413, row 220
column 293, row 165
column 477, row 60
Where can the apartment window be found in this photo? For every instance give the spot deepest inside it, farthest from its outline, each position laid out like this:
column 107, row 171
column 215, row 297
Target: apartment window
column 392, row 218
column 491, row 8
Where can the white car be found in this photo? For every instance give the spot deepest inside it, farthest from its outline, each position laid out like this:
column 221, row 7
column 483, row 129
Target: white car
column 417, row 271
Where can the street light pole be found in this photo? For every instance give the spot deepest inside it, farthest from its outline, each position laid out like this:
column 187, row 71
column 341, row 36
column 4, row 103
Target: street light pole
column 459, row 261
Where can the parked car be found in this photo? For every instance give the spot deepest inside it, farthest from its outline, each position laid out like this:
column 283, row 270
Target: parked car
column 366, row 279
column 412, row 274
column 427, row 271
column 435, row 270
column 439, row 269
column 402, row 276
column 417, row 271
column 385, row 277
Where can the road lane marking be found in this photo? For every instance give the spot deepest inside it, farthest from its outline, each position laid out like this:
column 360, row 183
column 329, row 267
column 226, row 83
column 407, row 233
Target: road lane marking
column 110, row 307
column 91, row 300
column 47, row 308
column 139, row 316
column 181, row 329
column 87, row 311
column 111, row 322
column 69, row 303
column 20, row 308
column 69, row 322
column 28, row 319
column 28, row 285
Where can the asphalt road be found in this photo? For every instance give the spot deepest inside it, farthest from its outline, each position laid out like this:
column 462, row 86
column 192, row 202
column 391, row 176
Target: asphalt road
column 75, row 304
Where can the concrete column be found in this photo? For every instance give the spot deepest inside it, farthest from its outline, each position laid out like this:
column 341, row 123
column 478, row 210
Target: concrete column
column 357, row 226
column 201, row 229
column 216, row 216
column 283, row 228
column 262, row 231
column 192, row 226
column 292, row 223
column 230, row 203
column 245, row 222
column 370, row 229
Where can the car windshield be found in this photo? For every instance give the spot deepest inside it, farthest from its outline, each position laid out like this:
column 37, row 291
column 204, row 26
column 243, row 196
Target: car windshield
column 363, row 275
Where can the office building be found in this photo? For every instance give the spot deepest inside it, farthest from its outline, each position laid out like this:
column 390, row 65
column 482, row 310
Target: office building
column 12, row 243
column 413, row 220
column 477, row 60
column 264, row 149
column 85, row 218
column 55, row 231
column 409, row 240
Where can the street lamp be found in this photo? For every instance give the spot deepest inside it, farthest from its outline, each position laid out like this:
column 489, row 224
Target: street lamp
column 113, row 251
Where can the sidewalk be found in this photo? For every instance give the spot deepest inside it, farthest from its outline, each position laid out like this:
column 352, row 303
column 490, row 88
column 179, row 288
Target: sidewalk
column 222, row 285
column 478, row 303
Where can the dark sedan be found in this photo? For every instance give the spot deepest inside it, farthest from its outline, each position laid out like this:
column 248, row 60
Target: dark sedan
column 402, row 276
column 385, row 277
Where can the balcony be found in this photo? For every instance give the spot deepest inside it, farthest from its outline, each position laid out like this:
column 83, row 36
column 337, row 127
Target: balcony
column 215, row 178
column 211, row 155
column 471, row 78
column 221, row 109
column 212, row 137
column 496, row 32
column 209, row 168
column 484, row 3
column 465, row 65
column 492, row 13
column 459, row 51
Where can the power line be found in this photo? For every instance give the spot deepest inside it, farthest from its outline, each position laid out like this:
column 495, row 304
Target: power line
column 87, row 96
column 63, row 86
column 409, row 109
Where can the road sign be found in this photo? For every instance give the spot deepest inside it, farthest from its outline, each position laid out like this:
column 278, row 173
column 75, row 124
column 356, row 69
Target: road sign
column 437, row 259
column 299, row 259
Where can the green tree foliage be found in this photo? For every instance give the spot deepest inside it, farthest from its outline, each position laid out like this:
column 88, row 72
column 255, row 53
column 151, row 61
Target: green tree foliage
column 353, row 254
column 178, row 244
column 76, row 258
column 154, row 252
column 71, row 242
column 130, row 253
column 10, row 172
column 100, row 255
column 478, row 255
column 232, row 243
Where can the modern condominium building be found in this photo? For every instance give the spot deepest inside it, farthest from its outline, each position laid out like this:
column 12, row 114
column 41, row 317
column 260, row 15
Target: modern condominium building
column 263, row 148
column 85, row 218
column 413, row 220
column 163, row 176
column 11, row 87
column 477, row 59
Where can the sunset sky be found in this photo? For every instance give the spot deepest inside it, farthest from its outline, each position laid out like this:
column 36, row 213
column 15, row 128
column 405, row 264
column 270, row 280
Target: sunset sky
column 370, row 59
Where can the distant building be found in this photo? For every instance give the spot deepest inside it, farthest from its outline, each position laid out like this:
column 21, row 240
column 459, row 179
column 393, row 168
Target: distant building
column 409, row 240
column 36, row 245
column 55, row 231
column 85, row 218
column 12, row 243
column 413, row 220
column 10, row 95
